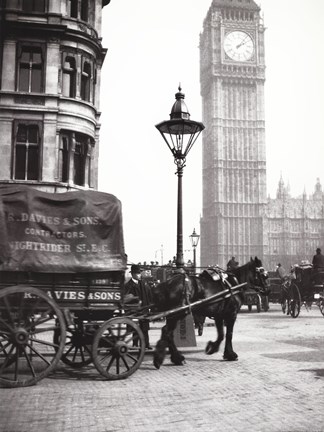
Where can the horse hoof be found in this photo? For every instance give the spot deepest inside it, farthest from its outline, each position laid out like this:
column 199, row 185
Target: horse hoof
column 157, row 361
column 230, row 357
column 178, row 361
column 211, row 348
column 157, row 364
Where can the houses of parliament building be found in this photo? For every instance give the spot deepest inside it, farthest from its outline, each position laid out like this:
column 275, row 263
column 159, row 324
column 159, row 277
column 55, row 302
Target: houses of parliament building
column 238, row 218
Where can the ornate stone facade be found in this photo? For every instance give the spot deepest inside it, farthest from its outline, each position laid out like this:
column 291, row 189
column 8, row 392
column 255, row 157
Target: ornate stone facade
column 50, row 69
column 234, row 159
column 237, row 218
column 293, row 227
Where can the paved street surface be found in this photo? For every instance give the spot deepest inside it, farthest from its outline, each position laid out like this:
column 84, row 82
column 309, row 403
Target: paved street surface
column 276, row 385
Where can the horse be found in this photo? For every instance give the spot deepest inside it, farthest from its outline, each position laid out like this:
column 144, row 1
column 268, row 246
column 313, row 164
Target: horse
column 242, row 274
column 182, row 289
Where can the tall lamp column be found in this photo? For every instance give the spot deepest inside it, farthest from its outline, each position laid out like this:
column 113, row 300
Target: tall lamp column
column 194, row 238
column 180, row 133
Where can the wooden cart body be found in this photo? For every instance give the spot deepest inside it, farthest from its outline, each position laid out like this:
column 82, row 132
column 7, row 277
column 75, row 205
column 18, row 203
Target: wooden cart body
column 61, row 280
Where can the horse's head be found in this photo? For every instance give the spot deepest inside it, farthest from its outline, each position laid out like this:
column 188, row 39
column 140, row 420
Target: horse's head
column 253, row 273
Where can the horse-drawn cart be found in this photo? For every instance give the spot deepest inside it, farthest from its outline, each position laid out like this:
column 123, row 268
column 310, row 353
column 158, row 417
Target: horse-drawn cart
column 62, row 276
column 61, row 286
column 304, row 286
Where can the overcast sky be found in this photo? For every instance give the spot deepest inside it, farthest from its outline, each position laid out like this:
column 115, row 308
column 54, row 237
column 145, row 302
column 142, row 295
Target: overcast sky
column 152, row 46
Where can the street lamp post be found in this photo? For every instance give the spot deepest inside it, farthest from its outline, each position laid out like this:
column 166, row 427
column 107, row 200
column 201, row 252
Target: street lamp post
column 180, row 134
column 194, row 238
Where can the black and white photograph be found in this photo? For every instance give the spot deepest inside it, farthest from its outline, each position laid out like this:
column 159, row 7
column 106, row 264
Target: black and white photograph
column 161, row 216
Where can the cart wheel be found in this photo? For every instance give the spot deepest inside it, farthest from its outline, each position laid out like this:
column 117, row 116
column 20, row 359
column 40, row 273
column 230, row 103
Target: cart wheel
column 113, row 350
column 321, row 305
column 294, row 301
column 28, row 321
column 77, row 348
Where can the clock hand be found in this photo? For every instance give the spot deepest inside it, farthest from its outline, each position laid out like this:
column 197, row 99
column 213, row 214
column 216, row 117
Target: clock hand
column 244, row 41
column 239, row 45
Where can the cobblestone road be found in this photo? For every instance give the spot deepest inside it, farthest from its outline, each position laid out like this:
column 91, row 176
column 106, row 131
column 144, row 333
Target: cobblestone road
column 277, row 385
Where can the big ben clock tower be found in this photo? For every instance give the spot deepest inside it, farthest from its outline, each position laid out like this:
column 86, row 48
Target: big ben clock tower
column 232, row 75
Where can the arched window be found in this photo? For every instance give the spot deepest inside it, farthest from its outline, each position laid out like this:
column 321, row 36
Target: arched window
column 30, row 64
column 27, row 143
column 85, row 81
column 69, row 77
column 33, row 5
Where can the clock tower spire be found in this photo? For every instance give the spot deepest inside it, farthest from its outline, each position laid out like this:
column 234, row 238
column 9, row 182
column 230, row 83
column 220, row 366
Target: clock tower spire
column 232, row 75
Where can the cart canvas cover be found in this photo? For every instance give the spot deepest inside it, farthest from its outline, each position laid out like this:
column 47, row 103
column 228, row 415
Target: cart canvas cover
column 79, row 231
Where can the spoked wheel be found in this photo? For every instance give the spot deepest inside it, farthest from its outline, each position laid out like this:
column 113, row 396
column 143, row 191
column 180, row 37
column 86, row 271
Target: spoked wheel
column 28, row 321
column 77, row 348
column 294, row 301
column 114, row 352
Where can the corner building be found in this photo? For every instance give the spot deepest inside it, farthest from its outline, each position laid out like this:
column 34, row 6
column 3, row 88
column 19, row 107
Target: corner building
column 50, row 69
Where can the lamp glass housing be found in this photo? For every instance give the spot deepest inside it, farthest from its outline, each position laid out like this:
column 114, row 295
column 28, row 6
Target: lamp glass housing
column 194, row 238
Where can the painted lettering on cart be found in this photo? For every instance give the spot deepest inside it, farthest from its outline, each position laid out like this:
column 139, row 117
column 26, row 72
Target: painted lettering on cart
column 81, row 295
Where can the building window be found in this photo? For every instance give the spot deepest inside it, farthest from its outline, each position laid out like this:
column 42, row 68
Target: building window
column 33, row 5
column 30, row 70
column 84, row 10
column 64, row 159
column 86, row 81
column 73, row 8
column 79, row 9
column 80, row 158
column 27, row 144
column 75, row 158
column 69, row 77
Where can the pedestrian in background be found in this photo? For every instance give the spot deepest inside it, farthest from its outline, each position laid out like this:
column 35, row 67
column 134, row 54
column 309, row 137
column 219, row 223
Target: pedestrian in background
column 137, row 287
column 281, row 272
column 232, row 264
column 318, row 260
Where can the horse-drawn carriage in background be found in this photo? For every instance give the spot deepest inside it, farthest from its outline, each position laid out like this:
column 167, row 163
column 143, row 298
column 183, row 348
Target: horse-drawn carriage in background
column 303, row 287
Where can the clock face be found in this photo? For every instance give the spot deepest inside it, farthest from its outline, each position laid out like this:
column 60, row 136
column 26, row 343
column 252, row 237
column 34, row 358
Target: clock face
column 239, row 46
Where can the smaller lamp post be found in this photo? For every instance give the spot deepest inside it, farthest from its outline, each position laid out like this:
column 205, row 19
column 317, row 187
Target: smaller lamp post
column 194, row 238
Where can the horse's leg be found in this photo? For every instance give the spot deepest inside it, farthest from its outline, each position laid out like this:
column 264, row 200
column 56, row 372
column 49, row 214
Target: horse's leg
column 176, row 357
column 160, row 347
column 229, row 353
column 167, row 341
column 213, row 347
